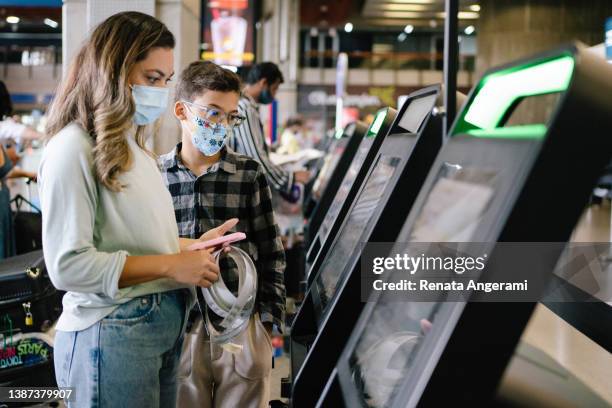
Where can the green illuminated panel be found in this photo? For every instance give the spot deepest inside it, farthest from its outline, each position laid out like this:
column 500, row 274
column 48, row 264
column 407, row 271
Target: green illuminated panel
column 339, row 133
column 498, row 92
column 513, row 132
column 377, row 122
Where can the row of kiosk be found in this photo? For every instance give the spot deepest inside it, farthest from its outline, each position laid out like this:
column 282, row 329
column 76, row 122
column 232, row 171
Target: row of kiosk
column 491, row 179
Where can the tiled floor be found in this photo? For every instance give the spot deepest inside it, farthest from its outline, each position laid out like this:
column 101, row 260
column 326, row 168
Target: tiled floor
column 584, row 359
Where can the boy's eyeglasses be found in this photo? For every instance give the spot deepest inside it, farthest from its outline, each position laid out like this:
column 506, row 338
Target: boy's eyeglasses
column 215, row 115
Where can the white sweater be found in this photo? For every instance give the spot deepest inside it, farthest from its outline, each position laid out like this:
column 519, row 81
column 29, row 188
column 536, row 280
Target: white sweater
column 88, row 230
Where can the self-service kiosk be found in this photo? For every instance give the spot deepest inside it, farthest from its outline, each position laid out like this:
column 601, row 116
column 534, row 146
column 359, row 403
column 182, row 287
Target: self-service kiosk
column 349, row 186
column 530, row 131
column 337, row 163
column 332, row 304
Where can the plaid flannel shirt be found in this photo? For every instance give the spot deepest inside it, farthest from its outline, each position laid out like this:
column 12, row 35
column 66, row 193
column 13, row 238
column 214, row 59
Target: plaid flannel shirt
column 234, row 187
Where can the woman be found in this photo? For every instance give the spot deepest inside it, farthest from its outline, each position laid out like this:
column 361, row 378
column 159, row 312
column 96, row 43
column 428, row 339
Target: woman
column 109, row 233
column 7, row 170
column 292, row 137
column 7, row 242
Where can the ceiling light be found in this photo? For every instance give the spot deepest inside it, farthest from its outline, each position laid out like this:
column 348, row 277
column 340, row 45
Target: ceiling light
column 409, row 28
column 414, row 1
column 400, row 14
column 12, row 20
column 348, row 27
column 402, row 7
column 475, row 7
column 433, row 23
column 314, row 32
column 402, row 37
column 51, row 23
column 468, row 15
column 230, row 68
column 469, row 30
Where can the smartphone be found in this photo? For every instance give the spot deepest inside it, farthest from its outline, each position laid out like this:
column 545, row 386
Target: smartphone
column 212, row 243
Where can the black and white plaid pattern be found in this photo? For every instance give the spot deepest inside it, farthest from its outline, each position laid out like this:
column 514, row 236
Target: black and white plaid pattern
column 235, row 187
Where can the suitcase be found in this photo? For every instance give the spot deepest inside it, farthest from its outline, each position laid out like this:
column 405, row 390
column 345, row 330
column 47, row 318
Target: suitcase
column 27, row 292
column 27, row 226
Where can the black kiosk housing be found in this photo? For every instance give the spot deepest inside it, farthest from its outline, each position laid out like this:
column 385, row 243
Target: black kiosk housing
column 332, row 304
column 351, row 181
column 342, row 152
column 465, row 352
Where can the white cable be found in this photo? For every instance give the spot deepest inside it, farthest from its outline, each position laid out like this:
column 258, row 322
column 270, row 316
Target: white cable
column 235, row 310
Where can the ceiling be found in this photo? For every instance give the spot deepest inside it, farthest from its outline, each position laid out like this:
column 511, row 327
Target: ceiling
column 384, row 14
column 31, row 19
column 36, row 27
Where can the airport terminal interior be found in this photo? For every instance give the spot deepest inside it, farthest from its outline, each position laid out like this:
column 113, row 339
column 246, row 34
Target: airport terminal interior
column 378, row 129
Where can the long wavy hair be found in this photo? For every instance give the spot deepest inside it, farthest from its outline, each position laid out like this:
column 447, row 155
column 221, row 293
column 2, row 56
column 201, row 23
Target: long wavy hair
column 95, row 92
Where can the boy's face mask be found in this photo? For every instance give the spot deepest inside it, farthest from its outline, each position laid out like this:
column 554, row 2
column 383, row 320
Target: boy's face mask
column 209, row 138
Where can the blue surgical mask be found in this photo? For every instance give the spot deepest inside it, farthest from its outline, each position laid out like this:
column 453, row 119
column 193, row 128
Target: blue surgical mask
column 209, row 138
column 151, row 102
column 265, row 97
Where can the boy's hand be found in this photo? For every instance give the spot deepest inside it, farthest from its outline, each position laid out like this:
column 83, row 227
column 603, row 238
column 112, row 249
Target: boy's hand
column 220, row 230
column 301, row 176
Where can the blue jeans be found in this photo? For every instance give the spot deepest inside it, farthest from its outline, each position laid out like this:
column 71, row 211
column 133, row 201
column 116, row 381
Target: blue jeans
column 129, row 358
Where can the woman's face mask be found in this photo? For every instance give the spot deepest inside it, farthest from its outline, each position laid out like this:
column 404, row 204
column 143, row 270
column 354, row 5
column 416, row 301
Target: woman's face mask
column 209, row 138
column 151, row 102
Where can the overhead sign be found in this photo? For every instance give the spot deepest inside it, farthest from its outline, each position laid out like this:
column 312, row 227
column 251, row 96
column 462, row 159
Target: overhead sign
column 322, row 98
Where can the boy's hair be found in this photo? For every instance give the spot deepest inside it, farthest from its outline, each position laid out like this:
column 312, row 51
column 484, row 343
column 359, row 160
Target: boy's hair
column 265, row 70
column 202, row 76
column 294, row 121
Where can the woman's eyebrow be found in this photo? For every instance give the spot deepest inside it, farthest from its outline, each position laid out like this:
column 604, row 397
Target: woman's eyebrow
column 160, row 72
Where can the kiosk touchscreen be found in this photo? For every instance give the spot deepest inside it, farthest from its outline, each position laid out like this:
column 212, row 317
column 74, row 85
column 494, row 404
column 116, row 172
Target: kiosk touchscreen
column 493, row 181
column 336, row 166
column 351, row 181
column 332, row 304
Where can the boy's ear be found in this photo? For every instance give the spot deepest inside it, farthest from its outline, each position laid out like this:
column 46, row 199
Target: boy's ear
column 179, row 111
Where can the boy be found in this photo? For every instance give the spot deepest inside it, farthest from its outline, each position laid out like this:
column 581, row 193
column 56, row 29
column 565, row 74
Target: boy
column 209, row 183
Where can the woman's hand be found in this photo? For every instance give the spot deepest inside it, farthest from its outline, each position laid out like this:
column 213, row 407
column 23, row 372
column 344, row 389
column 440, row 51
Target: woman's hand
column 220, row 231
column 19, row 173
column 190, row 267
column 195, row 268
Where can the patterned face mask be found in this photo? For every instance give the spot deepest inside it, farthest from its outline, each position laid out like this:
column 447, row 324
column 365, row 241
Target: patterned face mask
column 209, row 138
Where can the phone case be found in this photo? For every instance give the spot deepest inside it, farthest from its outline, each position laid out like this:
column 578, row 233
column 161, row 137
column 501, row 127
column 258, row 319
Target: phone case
column 211, row 243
